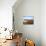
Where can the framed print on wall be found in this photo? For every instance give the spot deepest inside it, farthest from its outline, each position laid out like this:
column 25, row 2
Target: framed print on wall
column 28, row 20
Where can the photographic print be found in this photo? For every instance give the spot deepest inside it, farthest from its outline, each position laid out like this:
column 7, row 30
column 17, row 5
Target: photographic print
column 28, row 20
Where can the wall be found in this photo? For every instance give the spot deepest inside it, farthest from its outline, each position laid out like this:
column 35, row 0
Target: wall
column 29, row 8
column 6, row 13
column 43, row 22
